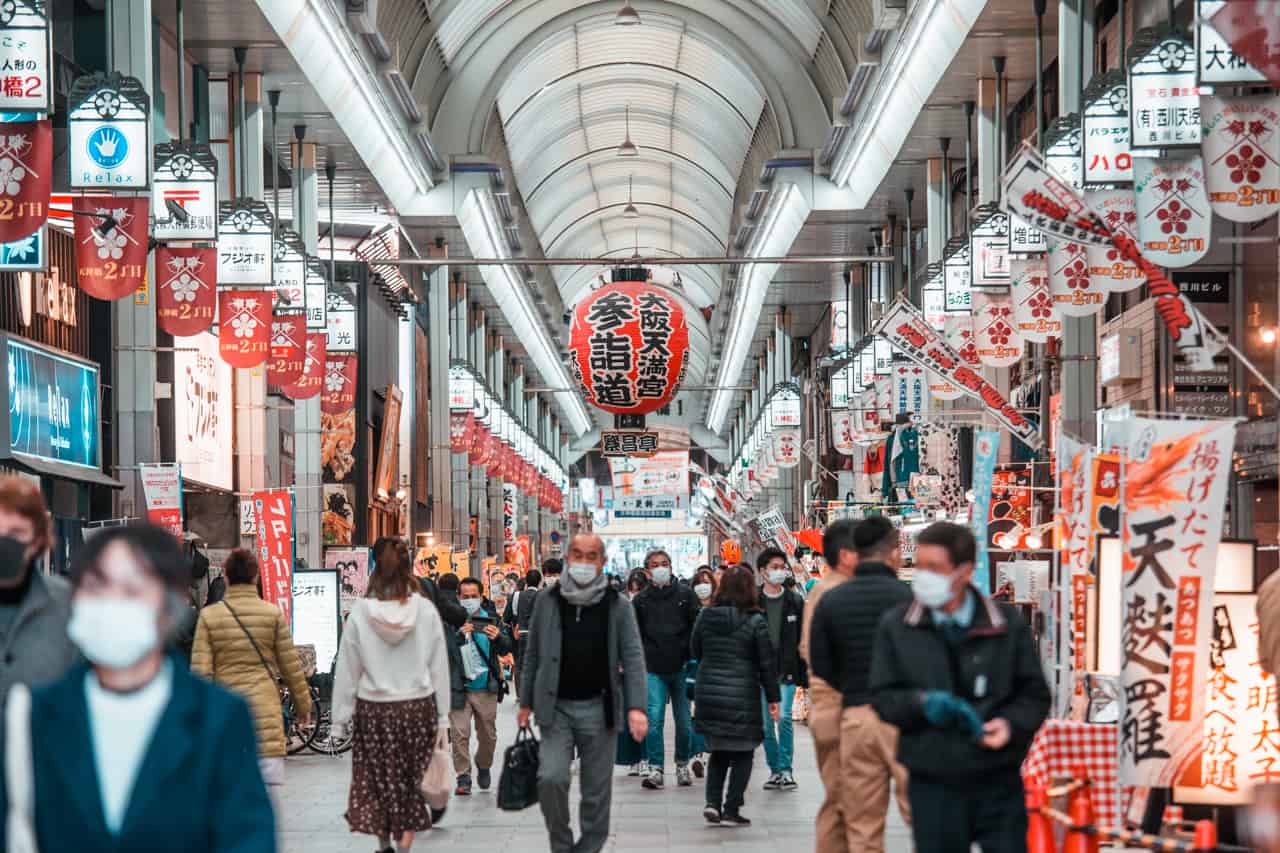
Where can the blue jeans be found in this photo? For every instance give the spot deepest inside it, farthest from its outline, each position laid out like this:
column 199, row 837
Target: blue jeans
column 779, row 737
column 661, row 689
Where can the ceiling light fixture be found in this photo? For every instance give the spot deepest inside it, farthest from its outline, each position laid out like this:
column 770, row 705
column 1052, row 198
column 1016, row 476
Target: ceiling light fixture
column 630, row 211
column 628, row 148
column 627, row 16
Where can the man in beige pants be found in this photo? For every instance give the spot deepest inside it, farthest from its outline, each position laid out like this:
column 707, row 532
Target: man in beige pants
column 484, row 639
column 840, row 647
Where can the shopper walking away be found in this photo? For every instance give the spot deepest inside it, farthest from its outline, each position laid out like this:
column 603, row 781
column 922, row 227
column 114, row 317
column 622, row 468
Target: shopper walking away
column 665, row 613
column 584, row 677
column 34, row 607
column 731, row 642
column 959, row 676
column 784, row 614
column 841, row 642
column 243, row 643
column 520, row 610
column 479, row 697
column 129, row 750
column 826, row 701
column 391, row 685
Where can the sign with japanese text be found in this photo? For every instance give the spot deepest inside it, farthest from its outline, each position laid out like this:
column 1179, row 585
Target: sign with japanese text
column 1242, row 173
column 1164, row 97
column 910, row 389
column 1034, row 314
column 771, row 528
column 316, row 288
column 1062, row 150
column 185, row 289
column 1218, row 63
column 958, row 332
column 664, row 473
column 1074, row 510
column 341, row 316
column 274, row 513
column 1251, row 29
column 640, row 444
column 1108, row 271
column 244, row 243
column 1024, row 238
column 989, row 249
column 1105, row 130
column 248, row 524
column 339, row 393
column 27, row 147
column 315, row 614
column 510, row 509
column 108, row 132
column 184, row 192
column 957, row 286
column 288, row 348
column 1174, row 221
column 25, row 50
column 203, row 426
column 289, row 271
column 1053, row 206
column 786, row 447
column 843, row 428
column 784, row 406
column 907, row 330
column 312, row 379
column 1174, row 491
column 995, row 336
column 244, row 327
column 461, row 430
column 162, row 491
column 113, row 265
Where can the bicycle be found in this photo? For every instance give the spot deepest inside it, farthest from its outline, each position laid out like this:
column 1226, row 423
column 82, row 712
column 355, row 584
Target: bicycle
column 298, row 736
column 324, row 741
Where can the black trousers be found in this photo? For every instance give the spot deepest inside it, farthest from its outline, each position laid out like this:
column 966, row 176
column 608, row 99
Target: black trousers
column 948, row 818
column 736, row 766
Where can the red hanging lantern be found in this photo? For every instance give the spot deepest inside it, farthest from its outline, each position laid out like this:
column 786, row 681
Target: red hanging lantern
column 186, row 282
column 312, row 378
column 111, row 265
column 339, row 393
column 244, row 327
column 629, row 347
column 492, row 458
column 288, row 349
column 26, row 176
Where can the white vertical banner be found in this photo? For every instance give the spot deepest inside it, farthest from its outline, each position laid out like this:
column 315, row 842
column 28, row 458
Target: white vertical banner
column 1075, row 517
column 510, row 504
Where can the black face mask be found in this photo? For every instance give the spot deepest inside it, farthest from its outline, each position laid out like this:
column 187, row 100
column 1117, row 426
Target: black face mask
column 13, row 561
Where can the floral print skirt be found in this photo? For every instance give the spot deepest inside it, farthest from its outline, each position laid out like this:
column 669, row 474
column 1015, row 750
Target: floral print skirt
column 389, row 756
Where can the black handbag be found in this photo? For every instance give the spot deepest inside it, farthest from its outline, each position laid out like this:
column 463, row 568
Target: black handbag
column 518, row 784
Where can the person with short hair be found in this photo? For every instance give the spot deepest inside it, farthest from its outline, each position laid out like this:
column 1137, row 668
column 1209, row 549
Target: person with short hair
column 959, row 675
column 479, row 697
column 552, row 569
column 784, row 615
column 519, row 611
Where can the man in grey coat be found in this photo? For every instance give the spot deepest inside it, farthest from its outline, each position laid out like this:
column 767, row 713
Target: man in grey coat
column 583, row 676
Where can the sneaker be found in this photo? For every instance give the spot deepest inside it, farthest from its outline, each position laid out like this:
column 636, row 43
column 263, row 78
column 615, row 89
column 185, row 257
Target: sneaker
column 633, row 770
column 653, row 781
column 640, row 768
column 787, row 782
column 484, row 778
column 733, row 818
column 711, row 814
column 698, row 768
column 464, row 786
column 683, row 779
column 772, row 783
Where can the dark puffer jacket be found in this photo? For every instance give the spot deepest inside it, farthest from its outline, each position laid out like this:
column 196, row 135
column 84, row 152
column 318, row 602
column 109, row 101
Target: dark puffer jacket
column 735, row 661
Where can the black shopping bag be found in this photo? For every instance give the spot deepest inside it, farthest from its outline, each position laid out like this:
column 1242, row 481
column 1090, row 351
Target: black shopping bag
column 518, row 784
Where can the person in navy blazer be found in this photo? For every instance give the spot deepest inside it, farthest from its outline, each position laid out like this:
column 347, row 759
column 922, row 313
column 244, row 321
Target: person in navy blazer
column 130, row 751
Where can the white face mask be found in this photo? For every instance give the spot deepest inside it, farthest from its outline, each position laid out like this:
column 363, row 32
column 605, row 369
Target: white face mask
column 551, row 580
column 583, row 573
column 702, row 590
column 931, row 588
column 113, row 632
column 662, row 575
column 776, row 576
column 472, row 605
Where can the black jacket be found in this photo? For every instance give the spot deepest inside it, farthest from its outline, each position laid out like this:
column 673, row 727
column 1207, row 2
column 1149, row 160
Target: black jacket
column 665, row 616
column 497, row 648
column 844, row 628
column 996, row 659
column 446, row 602
column 735, row 661
column 791, row 667
column 518, row 617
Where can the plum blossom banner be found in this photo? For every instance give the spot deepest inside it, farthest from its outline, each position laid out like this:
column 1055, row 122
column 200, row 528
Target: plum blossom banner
column 185, row 289
column 26, row 177
column 111, row 265
column 244, row 327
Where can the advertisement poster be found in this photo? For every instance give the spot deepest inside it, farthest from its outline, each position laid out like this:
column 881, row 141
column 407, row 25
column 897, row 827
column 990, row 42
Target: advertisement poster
column 53, row 406
column 520, row 554
column 162, row 490
column 510, row 505
column 203, row 427
column 353, row 567
column 315, row 614
column 274, row 513
column 986, row 450
column 338, row 520
column 1075, row 501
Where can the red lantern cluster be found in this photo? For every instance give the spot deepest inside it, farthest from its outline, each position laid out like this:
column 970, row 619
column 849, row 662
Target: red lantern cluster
column 501, row 461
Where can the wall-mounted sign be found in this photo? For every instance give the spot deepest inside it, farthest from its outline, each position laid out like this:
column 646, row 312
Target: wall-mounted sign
column 26, row 253
column 882, row 350
column 1062, row 149
column 244, row 243
column 1105, row 135
column 317, row 284
column 289, row 272
column 1025, row 238
column 184, row 193
column 340, row 308
column 53, row 406
column 955, row 271
column 989, row 249
column 784, row 408
column 202, row 411
column 108, row 132
column 1164, row 98
column 639, row 444
column 25, row 57
column 1217, row 63
column 934, row 300
column 47, row 295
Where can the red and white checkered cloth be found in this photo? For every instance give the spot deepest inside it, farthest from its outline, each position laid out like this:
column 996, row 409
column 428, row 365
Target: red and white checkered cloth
column 1063, row 749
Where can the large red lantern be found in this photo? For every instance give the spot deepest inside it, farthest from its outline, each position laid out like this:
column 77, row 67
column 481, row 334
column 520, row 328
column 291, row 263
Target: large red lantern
column 629, row 347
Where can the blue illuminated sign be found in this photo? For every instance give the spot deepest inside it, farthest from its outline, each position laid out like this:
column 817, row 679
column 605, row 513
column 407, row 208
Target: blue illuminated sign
column 53, row 406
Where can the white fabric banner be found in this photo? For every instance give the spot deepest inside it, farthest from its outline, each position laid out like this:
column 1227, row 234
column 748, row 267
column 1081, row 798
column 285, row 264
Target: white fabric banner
column 1107, row 270
column 1239, row 146
column 1174, row 219
column 1075, row 293
column 995, row 337
column 1034, row 313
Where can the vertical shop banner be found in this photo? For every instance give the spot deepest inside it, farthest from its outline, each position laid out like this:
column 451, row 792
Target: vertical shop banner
column 1034, row 315
column 1174, row 486
column 986, row 450
column 112, row 265
column 461, row 426
column 786, row 446
column 1242, row 172
column 288, row 348
column 910, row 389
column 339, row 383
column 26, row 166
column 510, row 503
column 353, row 568
column 1174, row 216
column 312, row 378
column 1107, row 270
column 995, row 336
column 274, row 513
column 1075, row 504
column 842, row 429
column 186, row 283
column 162, row 490
column 244, row 327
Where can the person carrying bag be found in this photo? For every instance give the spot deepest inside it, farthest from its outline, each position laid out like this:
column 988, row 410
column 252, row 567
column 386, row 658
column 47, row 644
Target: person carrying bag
column 518, row 784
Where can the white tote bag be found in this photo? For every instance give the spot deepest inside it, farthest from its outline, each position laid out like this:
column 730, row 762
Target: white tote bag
column 19, row 770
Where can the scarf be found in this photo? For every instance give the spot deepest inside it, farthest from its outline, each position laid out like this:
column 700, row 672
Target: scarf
column 583, row 595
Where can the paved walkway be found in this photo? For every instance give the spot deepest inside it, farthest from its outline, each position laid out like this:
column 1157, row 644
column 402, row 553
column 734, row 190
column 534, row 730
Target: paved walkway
column 666, row 821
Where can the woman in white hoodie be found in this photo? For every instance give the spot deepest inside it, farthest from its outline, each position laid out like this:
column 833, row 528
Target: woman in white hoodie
column 392, row 685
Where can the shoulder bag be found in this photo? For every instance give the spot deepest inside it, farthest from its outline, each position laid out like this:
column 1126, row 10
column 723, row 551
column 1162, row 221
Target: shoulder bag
column 19, row 773
column 274, row 675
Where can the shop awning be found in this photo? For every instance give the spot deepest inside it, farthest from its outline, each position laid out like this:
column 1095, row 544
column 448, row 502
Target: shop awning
column 64, row 470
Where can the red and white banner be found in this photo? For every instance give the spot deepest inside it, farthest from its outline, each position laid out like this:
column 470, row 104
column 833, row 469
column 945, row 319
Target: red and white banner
column 186, row 287
column 1034, row 315
column 1239, row 147
column 288, row 349
column 312, row 378
column 1075, row 464
column 273, row 511
column 244, row 327
column 461, row 425
column 842, row 430
column 904, row 327
column 1174, row 219
column 113, row 265
column 1107, row 270
column 510, row 512
column 339, row 383
column 1075, row 293
column 26, row 177
column 959, row 333
column 786, row 447
column 162, row 491
column 1175, row 488
column 995, row 337
column 942, row 390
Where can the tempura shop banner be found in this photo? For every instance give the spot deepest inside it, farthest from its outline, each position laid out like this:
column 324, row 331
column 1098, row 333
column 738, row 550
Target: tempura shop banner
column 274, row 513
column 1174, row 487
column 162, row 489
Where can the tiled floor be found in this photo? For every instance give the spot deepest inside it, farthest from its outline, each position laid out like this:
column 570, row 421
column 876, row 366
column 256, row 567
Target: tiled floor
column 666, row 821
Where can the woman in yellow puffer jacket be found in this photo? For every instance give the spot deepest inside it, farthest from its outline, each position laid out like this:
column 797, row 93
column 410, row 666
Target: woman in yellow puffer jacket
column 224, row 652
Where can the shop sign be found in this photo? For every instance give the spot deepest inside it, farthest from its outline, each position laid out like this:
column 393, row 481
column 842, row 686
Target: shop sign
column 288, row 272
column 840, row 387
column 185, row 179
column 315, row 612
column 786, row 447
column 995, row 335
column 1204, row 390
column 1034, row 314
column 1074, row 291
column 25, row 50
column 339, row 393
column 244, row 243
column 640, row 444
column 1217, row 62
column 784, row 408
column 989, row 250
column 248, row 524
column 866, row 363
column 510, row 504
column 30, row 253
column 1107, row 270
column 340, row 311
column 1074, row 512
column 186, row 294
column 108, row 132
column 288, row 349
column 1025, row 238
column 115, row 265
column 1242, row 173
column 842, row 431
column 934, row 301
column 462, row 387
column 313, row 365
column 1204, row 286
column 910, row 389
column 317, row 285
column 244, row 327
column 1063, row 150
column 162, row 491
column 883, row 353
column 274, row 513
column 955, row 274
column 986, row 452
column 1105, row 135
column 50, row 296
column 1174, row 220
column 1164, row 98
column 203, row 422
column 26, row 184
column 53, row 406
column 657, row 506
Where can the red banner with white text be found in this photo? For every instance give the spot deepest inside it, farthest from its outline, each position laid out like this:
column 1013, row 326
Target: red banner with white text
column 274, row 513
column 113, row 264
column 186, row 289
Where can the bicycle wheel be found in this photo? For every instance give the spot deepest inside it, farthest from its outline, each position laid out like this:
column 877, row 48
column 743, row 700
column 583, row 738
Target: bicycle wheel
column 299, row 737
column 326, row 742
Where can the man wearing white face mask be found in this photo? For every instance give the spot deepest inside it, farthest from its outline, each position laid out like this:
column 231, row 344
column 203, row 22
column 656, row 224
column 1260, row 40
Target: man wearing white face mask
column 666, row 612
column 959, row 675
column 784, row 612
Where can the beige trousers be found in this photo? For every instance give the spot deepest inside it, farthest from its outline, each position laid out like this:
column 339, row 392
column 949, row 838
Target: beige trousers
column 483, row 707
column 867, row 766
column 824, row 724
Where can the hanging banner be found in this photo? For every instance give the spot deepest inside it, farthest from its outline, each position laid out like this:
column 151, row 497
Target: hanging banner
column 989, row 249
column 1074, row 292
column 288, row 349
column 786, row 447
column 186, row 295
column 1105, row 134
column 113, row 265
column 1164, row 98
column 995, row 337
column 274, row 513
column 934, row 301
column 25, row 51
column 311, row 381
column 340, row 317
column 184, row 192
column 1242, row 174
column 162, row 491
column 244, row 243
column 108, row 132
column 955, row 277
column 910, row 389
column 26, row 166
column 958, row 332
column 1218, row 63
column 940, row 389
column 1173, row 209
column 461, row 425
column 244, row 327
column 907, row 330
column 339, row 383
column 842, row 430
column 1107, row 270
column 1174, row 490
column 314, row 293
column 986, row 451
column 1062, row 150
column 1251, row 28
column 510, row 505
column 1034, row 314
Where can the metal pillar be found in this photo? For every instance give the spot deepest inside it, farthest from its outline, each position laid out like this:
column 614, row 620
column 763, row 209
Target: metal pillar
column 935, row 210
column 307, row 474
column 442, row 521
column 908, row 250
column 988, row 174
